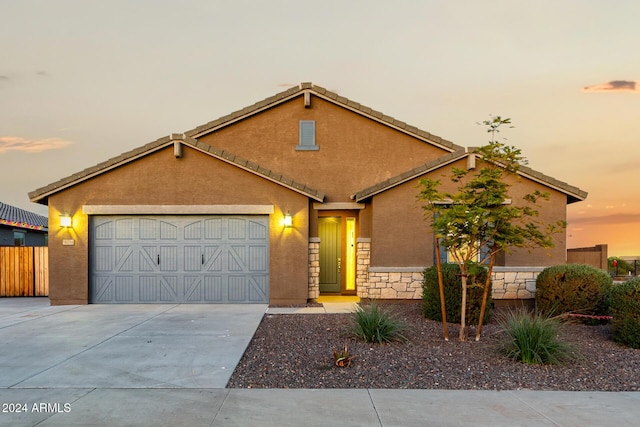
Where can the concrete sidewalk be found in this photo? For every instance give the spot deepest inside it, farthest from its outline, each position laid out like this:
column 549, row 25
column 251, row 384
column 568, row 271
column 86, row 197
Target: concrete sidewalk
column 353, row 407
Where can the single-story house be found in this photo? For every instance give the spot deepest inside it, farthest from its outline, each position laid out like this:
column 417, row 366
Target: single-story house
column 301, row 194
column 19, row 227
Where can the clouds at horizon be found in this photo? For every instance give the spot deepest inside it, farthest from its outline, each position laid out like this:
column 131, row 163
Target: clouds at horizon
column 16, row 143
column 619, row 218
column 614, row 86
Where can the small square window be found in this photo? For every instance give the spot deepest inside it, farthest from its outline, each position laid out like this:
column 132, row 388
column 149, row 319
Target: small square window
column 19, row 238
column 307, row 136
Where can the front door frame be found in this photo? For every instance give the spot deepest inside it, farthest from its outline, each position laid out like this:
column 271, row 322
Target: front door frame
column 345, row 216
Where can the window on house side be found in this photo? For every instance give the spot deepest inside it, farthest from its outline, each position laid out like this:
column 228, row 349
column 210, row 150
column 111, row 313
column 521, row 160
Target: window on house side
column 19, row 238
column 307, row 136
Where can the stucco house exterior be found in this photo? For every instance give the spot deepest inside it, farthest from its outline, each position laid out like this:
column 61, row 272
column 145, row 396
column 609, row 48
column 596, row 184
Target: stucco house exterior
column 19, row 227
column 301, row 194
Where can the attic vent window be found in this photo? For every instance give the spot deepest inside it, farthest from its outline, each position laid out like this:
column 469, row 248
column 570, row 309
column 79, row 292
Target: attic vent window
column 307, row 137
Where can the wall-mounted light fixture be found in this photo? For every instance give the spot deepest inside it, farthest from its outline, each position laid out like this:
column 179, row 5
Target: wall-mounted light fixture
column 65, row 220
column 287, row 221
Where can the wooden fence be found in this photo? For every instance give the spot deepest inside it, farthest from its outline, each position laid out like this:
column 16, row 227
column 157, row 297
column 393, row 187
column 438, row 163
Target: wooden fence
column 24, row 271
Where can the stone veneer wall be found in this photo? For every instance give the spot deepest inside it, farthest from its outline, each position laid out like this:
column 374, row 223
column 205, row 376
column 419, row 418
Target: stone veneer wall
column 515, row 282
column 363, row 260
column 314, row 268
column 509, row 283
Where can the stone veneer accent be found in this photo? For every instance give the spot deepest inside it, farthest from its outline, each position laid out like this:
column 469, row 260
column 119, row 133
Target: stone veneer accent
column 515, row 282
column 363, row 260
column 406, row 282
column 314, row 268
column 395, row 282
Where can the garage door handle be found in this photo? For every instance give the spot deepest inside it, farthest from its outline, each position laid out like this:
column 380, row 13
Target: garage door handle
column 158, row 259
column 202, row 259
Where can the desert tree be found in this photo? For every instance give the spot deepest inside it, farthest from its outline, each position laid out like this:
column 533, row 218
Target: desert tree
column 478, row 220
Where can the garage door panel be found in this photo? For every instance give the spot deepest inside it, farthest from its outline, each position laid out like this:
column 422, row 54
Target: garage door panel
column 193, row 258
column 103, row 231
column 103, row 288
column 148, row 229
column 124, row 289
column 124, row 258
column 209, row 259
column 258, row 231
column 236, row 258
column 168, row 260
column 148, row 258
column 238, row 290
column 193, row 231
column 149, row 289
column 124, row 229
column 103, row 258
column 168, row 231
column 258, row 288
column 213, row 229
column 213, row 258
column 169, row 289
column 212, row 288
column 258, row 258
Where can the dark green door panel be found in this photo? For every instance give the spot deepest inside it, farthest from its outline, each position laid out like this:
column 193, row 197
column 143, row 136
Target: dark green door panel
column 329, row 230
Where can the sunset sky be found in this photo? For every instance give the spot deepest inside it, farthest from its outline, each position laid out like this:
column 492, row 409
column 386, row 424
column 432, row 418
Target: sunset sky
column 82, row 81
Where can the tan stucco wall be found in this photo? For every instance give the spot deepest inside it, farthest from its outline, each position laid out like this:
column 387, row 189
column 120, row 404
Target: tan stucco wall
column 401, row 236
column 161, row 179
column 354, row 152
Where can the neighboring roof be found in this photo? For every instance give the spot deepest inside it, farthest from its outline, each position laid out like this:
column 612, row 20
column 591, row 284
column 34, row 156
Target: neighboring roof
column 329, row 96
column 16, row 217
column 40, row 195
column 574, row 194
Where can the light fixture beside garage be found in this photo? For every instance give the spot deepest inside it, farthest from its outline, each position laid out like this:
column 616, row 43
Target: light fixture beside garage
column 65, row 220
column 287, row 221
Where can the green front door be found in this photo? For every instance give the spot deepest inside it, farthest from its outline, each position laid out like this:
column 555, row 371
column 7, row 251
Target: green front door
column 329, row 230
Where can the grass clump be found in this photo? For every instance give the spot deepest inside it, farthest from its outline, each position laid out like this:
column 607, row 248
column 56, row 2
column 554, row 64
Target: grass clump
column 533, row 338
column 372, row 323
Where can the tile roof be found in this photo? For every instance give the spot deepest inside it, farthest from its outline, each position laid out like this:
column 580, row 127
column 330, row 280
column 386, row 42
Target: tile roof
column 328, row 96
column 16, row 217
column 574, row 194
column 40, row 195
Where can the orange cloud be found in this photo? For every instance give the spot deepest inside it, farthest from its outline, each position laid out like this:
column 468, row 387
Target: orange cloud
column 615, row 86
column 16, row 143
column 620, row 218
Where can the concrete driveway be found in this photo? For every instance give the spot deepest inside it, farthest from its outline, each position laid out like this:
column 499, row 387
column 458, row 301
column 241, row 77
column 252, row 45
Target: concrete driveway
column 122, row 346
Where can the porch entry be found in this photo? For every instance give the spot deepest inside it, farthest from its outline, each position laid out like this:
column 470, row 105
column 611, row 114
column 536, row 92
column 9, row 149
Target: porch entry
column 337, row 254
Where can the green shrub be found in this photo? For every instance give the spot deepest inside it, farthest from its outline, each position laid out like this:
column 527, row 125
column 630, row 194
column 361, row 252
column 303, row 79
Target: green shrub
column 533, row 338
column 625, row 308
column 453, row 294
column 573, row 288
column 372, row 323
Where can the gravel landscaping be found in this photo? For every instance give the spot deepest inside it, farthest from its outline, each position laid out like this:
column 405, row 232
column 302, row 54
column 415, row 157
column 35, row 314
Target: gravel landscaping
column 296, row 351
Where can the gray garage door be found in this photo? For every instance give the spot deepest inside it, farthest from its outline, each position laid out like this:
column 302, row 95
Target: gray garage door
column 179, row 259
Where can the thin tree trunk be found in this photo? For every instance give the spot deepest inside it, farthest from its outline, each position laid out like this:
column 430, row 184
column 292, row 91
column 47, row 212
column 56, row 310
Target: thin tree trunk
column 463, row 306
column 441, row 286
column 485, row 295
